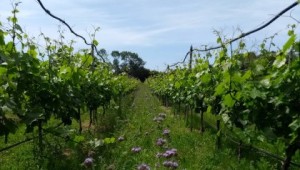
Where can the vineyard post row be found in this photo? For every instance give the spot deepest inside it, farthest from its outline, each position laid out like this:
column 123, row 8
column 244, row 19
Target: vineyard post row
column 60, row 86
column 245, row 91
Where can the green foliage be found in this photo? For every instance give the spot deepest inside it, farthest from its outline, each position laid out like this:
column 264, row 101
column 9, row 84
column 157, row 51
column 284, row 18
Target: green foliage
column 248, row 91
column 109, row 140
column 61, row 86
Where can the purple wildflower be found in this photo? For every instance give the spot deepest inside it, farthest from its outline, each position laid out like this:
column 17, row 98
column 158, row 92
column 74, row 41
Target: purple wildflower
column 143, row 167
column 170, row 164
column 170, row 153
column 175, row 165
column 160, row 142
column 136, row 149
column 88, row 162
column 174, row 151
column 166, row 132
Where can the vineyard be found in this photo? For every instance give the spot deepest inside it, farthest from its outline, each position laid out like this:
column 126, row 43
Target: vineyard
column 44, row 90
column 228, row 108
column 253, row 98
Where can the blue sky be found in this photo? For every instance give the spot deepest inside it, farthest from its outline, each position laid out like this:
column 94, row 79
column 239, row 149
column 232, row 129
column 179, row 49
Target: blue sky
column 160, row 31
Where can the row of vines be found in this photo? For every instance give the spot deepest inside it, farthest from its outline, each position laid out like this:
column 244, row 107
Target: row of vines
column 52, row 81
column 257, row 97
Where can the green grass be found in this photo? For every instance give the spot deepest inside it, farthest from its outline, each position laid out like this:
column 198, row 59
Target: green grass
column 59, row 151
column 195, row 150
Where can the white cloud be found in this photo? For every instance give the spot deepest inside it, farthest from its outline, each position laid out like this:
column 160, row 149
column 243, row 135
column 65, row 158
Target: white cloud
column 157, row 25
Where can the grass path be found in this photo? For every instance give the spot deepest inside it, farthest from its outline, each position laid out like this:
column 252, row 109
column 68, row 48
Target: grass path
column 195, row 151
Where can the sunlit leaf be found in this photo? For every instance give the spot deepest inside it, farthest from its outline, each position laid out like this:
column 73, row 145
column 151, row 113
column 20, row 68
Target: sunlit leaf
column 266, row 82
column 2, row 70
column 289, row 43
column 220, row 89
column 247, row 75
column 228, row 101
column 95, row 42
column 206, row 78
column 109, row 140
column 79, row 138
column 280, row 61
column 254, row 93
column 225, row 118
column 295, row 125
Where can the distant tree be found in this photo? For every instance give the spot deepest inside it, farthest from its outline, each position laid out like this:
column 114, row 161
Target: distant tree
column 103, row 54
column 130, row 63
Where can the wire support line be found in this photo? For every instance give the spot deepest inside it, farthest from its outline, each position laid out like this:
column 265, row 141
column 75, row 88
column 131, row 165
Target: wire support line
column 27, row 140
column 70, row 29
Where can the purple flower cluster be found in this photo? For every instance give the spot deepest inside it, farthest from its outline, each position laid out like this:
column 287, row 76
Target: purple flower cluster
column 136, row 149
column 88, row 162
column 160, row 142
column 143, row 167
column 170, row 153
column 166, row 132
column 170, row 164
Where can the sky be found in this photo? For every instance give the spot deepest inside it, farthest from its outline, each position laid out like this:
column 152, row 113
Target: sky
column 160, row 31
